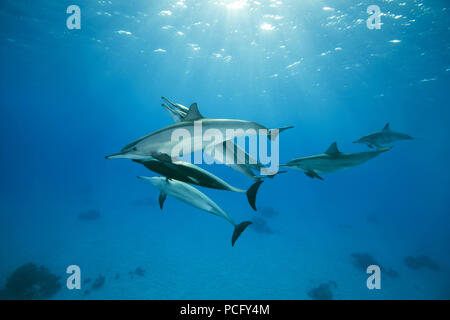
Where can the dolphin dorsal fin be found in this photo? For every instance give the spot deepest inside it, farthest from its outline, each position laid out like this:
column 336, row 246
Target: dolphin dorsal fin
column 193, row 113
column 332, row 149
column 386, row 127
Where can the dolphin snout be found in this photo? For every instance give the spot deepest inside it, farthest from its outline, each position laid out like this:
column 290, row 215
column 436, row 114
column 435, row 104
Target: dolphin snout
column 150, row 180
column 114, row 155
column 146, row 179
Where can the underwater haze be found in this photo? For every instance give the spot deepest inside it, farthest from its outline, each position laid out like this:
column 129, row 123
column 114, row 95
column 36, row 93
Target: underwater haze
column 69, row 97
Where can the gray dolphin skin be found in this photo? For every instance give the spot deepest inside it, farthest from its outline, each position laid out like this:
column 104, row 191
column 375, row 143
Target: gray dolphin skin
column 178, row 112
column 190, row 195
column 385, row 136
column 160, row 142
column 246, row 163
column 190, row 173
column 331, row 161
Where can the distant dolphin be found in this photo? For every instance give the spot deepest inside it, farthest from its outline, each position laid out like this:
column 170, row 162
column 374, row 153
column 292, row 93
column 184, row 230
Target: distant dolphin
column 331, row 161
column 178, row 112
column 384, row 136
column 160, row 144
column 190, row 195
column 190, row 173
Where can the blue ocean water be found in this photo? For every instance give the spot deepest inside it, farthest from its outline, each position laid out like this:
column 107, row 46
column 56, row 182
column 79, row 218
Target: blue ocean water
column 70, row 97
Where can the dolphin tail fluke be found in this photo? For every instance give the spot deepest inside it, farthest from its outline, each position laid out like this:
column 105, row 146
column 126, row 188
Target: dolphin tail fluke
column 238, row 229
column 284, row 128
column 273, row 134
column 251, row 193
column 161, row 199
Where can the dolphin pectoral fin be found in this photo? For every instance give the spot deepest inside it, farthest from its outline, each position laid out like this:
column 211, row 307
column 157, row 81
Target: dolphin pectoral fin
column 312, row 174
column 238, row 229
column 161, row 199
column 251, row 193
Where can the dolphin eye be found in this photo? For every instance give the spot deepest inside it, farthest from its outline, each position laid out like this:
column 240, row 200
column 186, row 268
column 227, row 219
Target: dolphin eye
column 134, row 149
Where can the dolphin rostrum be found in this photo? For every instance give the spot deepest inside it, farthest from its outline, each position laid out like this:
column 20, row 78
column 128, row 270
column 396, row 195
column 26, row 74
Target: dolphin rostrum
column 384, row 136
column 331, row 161
column 190, row 195
column 178, row 112
column 190, row 173
column 160, row 143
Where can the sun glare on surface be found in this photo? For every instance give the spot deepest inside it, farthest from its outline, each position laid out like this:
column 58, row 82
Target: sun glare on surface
column 236, row 4
column 267, row 26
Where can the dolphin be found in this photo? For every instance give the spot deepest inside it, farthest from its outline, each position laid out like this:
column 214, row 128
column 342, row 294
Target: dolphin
column 331, row 161
column 190, row 173
column 386, row 135
column 245, row 162
column 190, row 195
column 178, row 112
column 160, row 144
